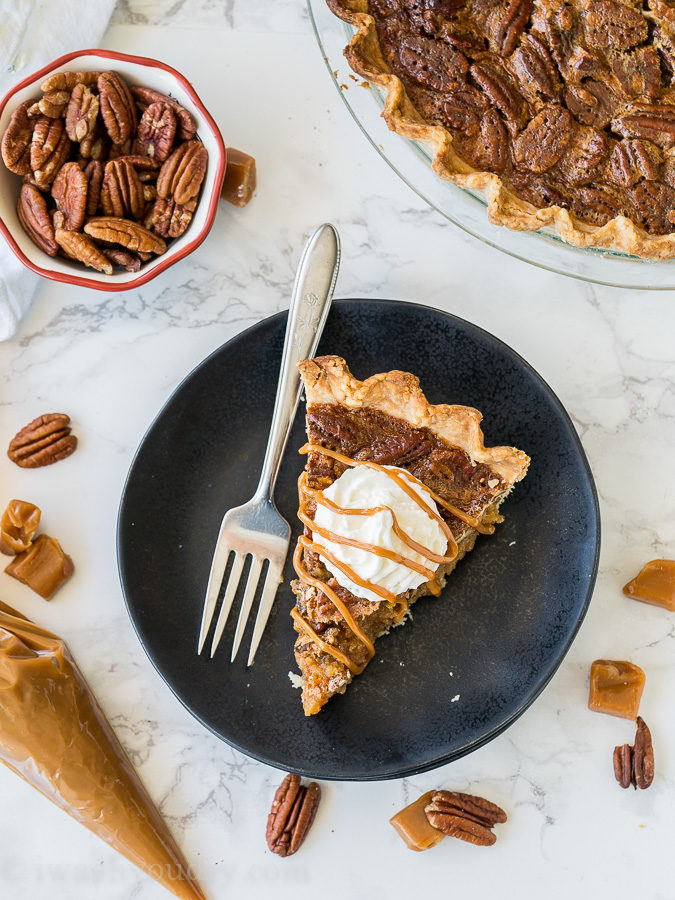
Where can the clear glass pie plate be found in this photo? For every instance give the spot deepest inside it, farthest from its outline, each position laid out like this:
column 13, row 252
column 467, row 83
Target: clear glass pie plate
column 464, row 208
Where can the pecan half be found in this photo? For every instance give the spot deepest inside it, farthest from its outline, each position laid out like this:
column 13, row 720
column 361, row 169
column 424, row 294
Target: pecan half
column 93, row 172
column 635, row 765
column 112, row 230
column 653, row 202
column 613, row 26
column 146, row 168
column 121, row 191
column 433, row 64
column 81, row 248
column 542, row 143
column 81, row 113
column 66, row 81
column 123, row 258
column 43, row 441
column 632, row 160
column 53, row 104
column 511, row 24
column 464, row 816
column 49, row 150
column 16, row 141
column 187, row 127
column 182, row 173
column 637, row 72
column 32, row 211
column 156, row 131
column 534, row 67
column 497, row 85
column 593, row 104
column 117, row 107
column 170, row 219
column 70, row 193
column 653, row 121
column 292, row 814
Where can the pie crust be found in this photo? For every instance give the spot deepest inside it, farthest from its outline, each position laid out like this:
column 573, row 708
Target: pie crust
column 390, row 403
column 504, row 207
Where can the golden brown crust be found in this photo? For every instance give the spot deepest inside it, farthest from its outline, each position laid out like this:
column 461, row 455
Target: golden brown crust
column 504, row 207
column 327, row 379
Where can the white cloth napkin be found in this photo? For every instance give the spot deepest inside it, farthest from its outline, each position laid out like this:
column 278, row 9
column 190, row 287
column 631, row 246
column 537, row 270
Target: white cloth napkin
column 33, row 33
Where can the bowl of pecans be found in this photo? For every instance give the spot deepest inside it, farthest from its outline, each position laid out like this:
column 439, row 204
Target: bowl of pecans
column 111, row 169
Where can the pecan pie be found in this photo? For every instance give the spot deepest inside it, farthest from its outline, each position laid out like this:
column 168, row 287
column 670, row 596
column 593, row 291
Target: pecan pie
column 393, row 495
column 561, row 113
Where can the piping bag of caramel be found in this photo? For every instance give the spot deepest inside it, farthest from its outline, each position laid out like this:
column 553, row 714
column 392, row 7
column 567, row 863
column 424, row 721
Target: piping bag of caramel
column 55, row 736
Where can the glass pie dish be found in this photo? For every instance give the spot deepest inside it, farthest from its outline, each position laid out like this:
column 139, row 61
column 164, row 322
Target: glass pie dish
column 467, row 209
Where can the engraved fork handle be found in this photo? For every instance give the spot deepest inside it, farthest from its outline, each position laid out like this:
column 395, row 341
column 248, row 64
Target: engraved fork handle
column 310, row 302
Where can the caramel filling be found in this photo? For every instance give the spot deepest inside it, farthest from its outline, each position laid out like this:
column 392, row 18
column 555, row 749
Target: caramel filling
column 305, row 493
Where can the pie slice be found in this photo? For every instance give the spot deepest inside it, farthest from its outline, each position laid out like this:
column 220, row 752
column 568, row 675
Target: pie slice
column 393, row 494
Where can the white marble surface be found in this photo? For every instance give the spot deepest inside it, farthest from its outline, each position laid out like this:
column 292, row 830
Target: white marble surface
column 111, row 361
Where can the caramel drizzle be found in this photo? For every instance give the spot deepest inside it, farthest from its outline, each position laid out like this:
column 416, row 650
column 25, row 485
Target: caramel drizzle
column 304, row 542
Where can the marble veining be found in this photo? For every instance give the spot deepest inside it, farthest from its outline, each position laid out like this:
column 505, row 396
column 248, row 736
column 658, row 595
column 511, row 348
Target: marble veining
column 111, row 360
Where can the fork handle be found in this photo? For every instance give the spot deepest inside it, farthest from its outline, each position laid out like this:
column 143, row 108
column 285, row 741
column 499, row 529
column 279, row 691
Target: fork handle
column 310, row 302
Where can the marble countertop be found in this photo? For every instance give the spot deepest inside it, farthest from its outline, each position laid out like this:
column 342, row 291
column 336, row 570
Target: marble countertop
column 111, row 361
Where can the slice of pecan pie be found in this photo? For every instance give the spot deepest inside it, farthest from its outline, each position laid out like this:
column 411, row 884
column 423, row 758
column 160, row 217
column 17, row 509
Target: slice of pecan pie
column 393, row 495
column 562, row 112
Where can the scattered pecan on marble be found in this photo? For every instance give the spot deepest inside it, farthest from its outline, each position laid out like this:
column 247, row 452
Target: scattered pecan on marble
column 32, row 211
column 635, row 765
column 82, row 248
column 43, row 441
column 464, row 816
column 292, row 814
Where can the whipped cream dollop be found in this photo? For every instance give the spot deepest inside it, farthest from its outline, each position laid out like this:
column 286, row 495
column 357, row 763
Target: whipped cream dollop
column 364, row 488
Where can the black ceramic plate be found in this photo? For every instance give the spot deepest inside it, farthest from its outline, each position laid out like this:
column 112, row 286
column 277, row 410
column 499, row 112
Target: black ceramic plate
column 492, row 640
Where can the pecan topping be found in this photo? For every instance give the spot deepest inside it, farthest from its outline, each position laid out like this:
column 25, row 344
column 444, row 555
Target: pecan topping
column 121, row 191
column 81, row 248
column 117, row 107
column 170, row 219
column 182, row 173
column 511, row 25
column 187, row 127
column 541, row 144
column 464, row 816
column 638, row 72
column 498, row 87
column 32, row 211
column 16, row 141
column 593, row 104
column 42, row 442
column 635, row 765
column 82, row 113
column 653, row 203
column 597, row 203
column 631, row 161
column 464, row 110
column 434, row 64
column 583, row 156
column 533, row 66
column 70, row 193
column 492, row 146
column 292, row 814
column 653, row 121
column 66, row 81
column 614, row 26
column 49, row 150
column 113, row 230
column 156, row 131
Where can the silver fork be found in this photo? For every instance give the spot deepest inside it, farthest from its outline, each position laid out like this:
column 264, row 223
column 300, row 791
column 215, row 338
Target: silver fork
column 257, row 529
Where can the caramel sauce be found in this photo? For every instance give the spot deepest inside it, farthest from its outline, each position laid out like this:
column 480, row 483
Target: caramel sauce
column 305, row 492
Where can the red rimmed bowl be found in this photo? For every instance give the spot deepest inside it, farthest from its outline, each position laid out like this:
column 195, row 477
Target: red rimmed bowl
column 135, row 70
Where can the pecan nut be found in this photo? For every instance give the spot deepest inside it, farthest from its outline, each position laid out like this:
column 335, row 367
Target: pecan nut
column 81, row 113
column 93, row 172
column 70, row 193
column 16, row 141
column 52, row 104
column 614, row 26
column 187, row 127
column 49, row 150
column 117, row 107
column 80, row 247
column 292, row 814
column 123, row 258
column 653, row 121
column 43, row 441
column 32, row 212
column 156, row 131
column 113, row 230
column 541, row 144
column 121, row 191
column 635, row 765
column 498, row 87
column 534, row 67
column 433, row 64
column 171, row 219
column 66, row 81
column 511, row 25
column 182, row 173
column 464, row 816
column 146, row 167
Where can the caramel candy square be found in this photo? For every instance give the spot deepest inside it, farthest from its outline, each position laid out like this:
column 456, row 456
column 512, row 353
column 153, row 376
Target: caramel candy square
column 655, row 584
column 44, row 567
column 18, row 526
column 414, row 827
column 240, row 177
column 616, row 688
